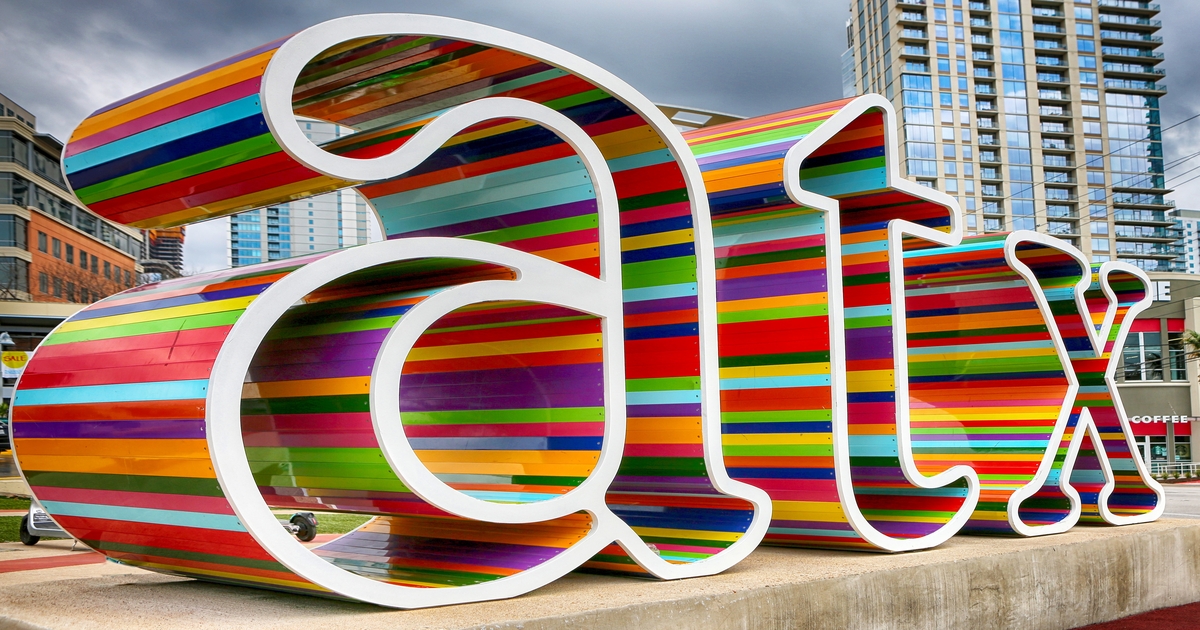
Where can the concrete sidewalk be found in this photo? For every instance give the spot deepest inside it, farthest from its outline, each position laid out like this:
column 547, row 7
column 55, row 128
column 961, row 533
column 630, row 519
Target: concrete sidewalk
column 1088, row 575
column 13, row 486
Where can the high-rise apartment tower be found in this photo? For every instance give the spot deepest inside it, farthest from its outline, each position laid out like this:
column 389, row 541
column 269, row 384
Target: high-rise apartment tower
column 324, row 222
column 1035, row 114
column 165, row 246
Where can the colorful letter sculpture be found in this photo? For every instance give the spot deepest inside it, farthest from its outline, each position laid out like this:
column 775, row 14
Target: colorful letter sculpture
column 589, row 341
column 813, row 393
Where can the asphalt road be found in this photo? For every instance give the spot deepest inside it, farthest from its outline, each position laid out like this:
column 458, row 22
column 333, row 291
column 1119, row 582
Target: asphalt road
column 1183, row 500
column 7, row 468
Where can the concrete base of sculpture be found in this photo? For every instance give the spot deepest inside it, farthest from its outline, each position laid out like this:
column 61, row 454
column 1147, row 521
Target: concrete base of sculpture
column 1087, row 575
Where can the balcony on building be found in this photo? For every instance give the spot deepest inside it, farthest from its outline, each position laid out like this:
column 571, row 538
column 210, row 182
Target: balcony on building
column 1155, row 88
column 1153, row 234
column 1048, row 44
column 1053, row 79
column 912, row 17
column 1054, row 111
column 986, row 122
column 982, row 55
column 1059, row 195
column 980, row 22
column 1135, row 71
column 984, row 73
column 1145, row 184
column 914, row 50
column 986, row 89
column 1160, row 266
column 988, row 172
column 914, row 33
column 1055, row 128
column 1132, row 22
column 1139, row 200
column 989, row 157
column 1058, row 161
column 1154, row 218
column 1060, row 177
column 981, row 39
column 1050, row 61
column 1130, row 54
column 1048, row 13
column 1061, row 211
column 1163, row 251
column 1063, row 228
column 1053, row 95
column 1131, row 6
column 991, row 190
column 1046, row 28
column 979, row 7
column 1057, row 144
column 1120, row 37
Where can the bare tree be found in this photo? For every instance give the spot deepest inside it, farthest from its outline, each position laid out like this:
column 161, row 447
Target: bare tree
column 14, row 280
column 79, row 283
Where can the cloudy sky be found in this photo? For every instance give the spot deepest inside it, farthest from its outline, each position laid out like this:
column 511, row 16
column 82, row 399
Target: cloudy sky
column 62, row 59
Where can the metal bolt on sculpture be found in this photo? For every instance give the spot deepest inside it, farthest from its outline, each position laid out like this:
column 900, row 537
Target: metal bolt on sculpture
column 589, row 341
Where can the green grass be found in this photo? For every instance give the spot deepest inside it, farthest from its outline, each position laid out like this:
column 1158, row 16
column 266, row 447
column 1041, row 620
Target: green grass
column 332, row 522
column 10, row 528
column 339, row 523
column 13, row 503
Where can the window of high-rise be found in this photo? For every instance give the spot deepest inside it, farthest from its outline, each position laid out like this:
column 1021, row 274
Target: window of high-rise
column 328, row 221
column 1035, row 114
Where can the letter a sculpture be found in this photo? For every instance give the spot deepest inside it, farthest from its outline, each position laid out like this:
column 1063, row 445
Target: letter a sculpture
column 588, row 341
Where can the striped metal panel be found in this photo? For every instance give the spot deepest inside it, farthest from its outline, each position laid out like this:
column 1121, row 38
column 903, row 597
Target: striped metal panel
column 986, row 396
column 773, row 323
column 986, row 383
column 109, row 429
column 1132, row 495
column 502, row 400
column 775, row 329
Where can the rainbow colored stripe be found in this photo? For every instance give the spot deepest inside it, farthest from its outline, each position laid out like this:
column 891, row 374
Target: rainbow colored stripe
column 109, row 424
column 986, row 394
column 773, row 323
column 502, row 400
column 991, row 398
column 776, row 334
column 186, row 150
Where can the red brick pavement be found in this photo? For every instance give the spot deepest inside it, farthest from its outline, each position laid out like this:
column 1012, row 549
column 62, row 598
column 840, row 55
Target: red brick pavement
column 1176, row 618
column 50, row 562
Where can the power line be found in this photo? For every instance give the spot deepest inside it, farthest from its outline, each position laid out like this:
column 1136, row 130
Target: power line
column 1109, row 196
column 1090, row 218
column 1084, row 220
column 1185, row 158
column 1087, row 160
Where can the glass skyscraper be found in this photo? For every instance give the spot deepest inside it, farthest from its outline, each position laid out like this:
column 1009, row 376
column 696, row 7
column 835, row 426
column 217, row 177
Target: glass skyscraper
column 324, row 222
column 1035, row 114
